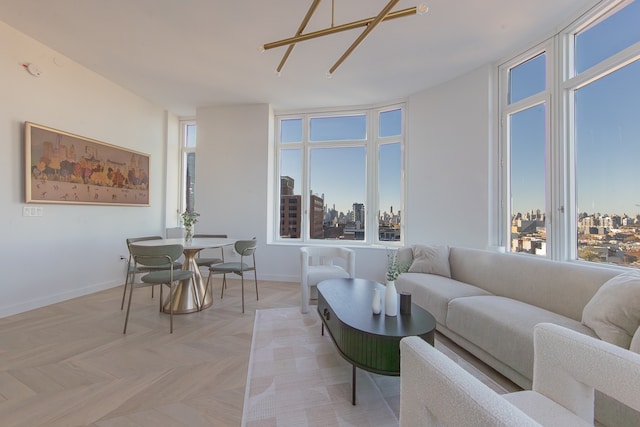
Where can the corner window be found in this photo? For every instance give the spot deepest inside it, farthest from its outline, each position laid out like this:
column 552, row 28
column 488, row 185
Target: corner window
column 339, row 175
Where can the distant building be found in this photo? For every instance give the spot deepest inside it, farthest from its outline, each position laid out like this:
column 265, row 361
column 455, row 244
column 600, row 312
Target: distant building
column 290, row 215
column 291, row 212
column 316, row 217
column 286, row 186
column 358, row 213
column 290, row 209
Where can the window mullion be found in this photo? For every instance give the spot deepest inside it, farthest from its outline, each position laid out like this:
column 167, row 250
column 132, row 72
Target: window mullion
column 305, row 227
column 371, row 226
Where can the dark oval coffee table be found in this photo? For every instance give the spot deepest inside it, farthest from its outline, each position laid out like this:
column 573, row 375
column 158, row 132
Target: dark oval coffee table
column 366, row 340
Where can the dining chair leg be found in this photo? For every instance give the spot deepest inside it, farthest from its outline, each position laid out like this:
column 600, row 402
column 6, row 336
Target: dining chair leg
column 206, row 289
column 171, row 293
column 126, row 282
column 160, row 298
column 126, row 318
column 242, row 277
column 224, row 285
column 124, row 292
column 195, row 295
column 255, row 278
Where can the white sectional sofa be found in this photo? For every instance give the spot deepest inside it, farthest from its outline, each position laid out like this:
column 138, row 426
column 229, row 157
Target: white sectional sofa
column 489, row 303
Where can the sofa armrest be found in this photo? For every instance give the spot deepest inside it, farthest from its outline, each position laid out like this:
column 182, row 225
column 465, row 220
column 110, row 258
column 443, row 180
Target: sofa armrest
column 350, row 256
column 570, row 366
column 435, row 391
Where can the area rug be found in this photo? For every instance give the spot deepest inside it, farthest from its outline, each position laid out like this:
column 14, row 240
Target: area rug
column 297, row 378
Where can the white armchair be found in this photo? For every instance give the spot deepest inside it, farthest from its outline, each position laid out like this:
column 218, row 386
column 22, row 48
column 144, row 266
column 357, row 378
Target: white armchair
column 568, row 367
column 318, row 263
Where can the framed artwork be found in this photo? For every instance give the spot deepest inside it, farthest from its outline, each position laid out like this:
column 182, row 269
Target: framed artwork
column 65, row 168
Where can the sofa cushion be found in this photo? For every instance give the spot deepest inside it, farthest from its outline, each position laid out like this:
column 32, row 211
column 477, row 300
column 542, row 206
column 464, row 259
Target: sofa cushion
column 614, row 311
column 433, row 292
column 503, row 327
column 318, row 273
column 404, row 255
column 544, row 410
column 561, row 287
column 431, row 260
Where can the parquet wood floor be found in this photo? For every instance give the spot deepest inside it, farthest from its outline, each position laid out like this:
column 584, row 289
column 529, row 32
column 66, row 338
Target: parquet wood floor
column 69, row 364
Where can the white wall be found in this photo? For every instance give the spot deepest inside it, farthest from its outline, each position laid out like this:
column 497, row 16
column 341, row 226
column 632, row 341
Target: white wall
column 231, row 176
column 449, row 147
column 73, row 249
column 448, row 154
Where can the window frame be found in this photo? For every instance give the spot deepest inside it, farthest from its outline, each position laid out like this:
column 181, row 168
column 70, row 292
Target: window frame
column 184, row 153
column 562, row 84
column 506, row 111
column 570, row 83
column 371, row 143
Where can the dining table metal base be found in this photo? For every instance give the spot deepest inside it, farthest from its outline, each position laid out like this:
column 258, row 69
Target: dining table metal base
column 185, row 300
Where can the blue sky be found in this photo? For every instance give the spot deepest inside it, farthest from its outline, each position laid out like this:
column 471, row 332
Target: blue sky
column 607, row 125
column 340, row 173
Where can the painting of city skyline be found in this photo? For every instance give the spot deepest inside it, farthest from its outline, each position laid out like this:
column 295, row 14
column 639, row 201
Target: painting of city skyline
column 61, row 167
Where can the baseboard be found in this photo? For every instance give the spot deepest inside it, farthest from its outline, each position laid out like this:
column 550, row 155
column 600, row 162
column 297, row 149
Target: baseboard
column 56, row 298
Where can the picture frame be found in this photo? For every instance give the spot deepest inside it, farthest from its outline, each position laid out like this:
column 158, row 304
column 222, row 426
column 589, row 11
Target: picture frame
column 61, row 167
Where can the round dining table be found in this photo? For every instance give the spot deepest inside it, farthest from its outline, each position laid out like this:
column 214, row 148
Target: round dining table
column 184, row 300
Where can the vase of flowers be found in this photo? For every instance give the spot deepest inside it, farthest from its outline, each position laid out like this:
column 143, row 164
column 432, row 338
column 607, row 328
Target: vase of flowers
column 189, row 218
column 394, row 269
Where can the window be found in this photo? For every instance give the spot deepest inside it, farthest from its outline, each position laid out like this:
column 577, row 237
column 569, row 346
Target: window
column 528, row 178
column 605, row 94
column 524, row 123
column 389, row 175
column 339, row 175
column 188, row 138
column 569, row 147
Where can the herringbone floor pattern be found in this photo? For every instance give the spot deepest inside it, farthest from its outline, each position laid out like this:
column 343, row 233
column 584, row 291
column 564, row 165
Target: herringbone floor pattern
column 69, row 364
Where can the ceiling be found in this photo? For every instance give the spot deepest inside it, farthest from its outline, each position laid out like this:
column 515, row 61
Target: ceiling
column 196, row 53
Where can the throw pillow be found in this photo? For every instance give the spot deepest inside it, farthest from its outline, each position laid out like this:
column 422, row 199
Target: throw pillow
column 431, row 260
column 635, row 342
column 614, row 311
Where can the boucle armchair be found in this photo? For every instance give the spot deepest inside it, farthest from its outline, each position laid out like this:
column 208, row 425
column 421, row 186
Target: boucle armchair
column 568, row 368
column 318, row 263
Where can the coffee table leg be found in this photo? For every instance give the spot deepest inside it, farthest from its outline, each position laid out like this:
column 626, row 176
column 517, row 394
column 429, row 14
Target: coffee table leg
column 353, row 386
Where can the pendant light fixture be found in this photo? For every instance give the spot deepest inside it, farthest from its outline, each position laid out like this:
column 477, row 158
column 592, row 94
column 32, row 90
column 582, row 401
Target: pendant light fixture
column 369, row 23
